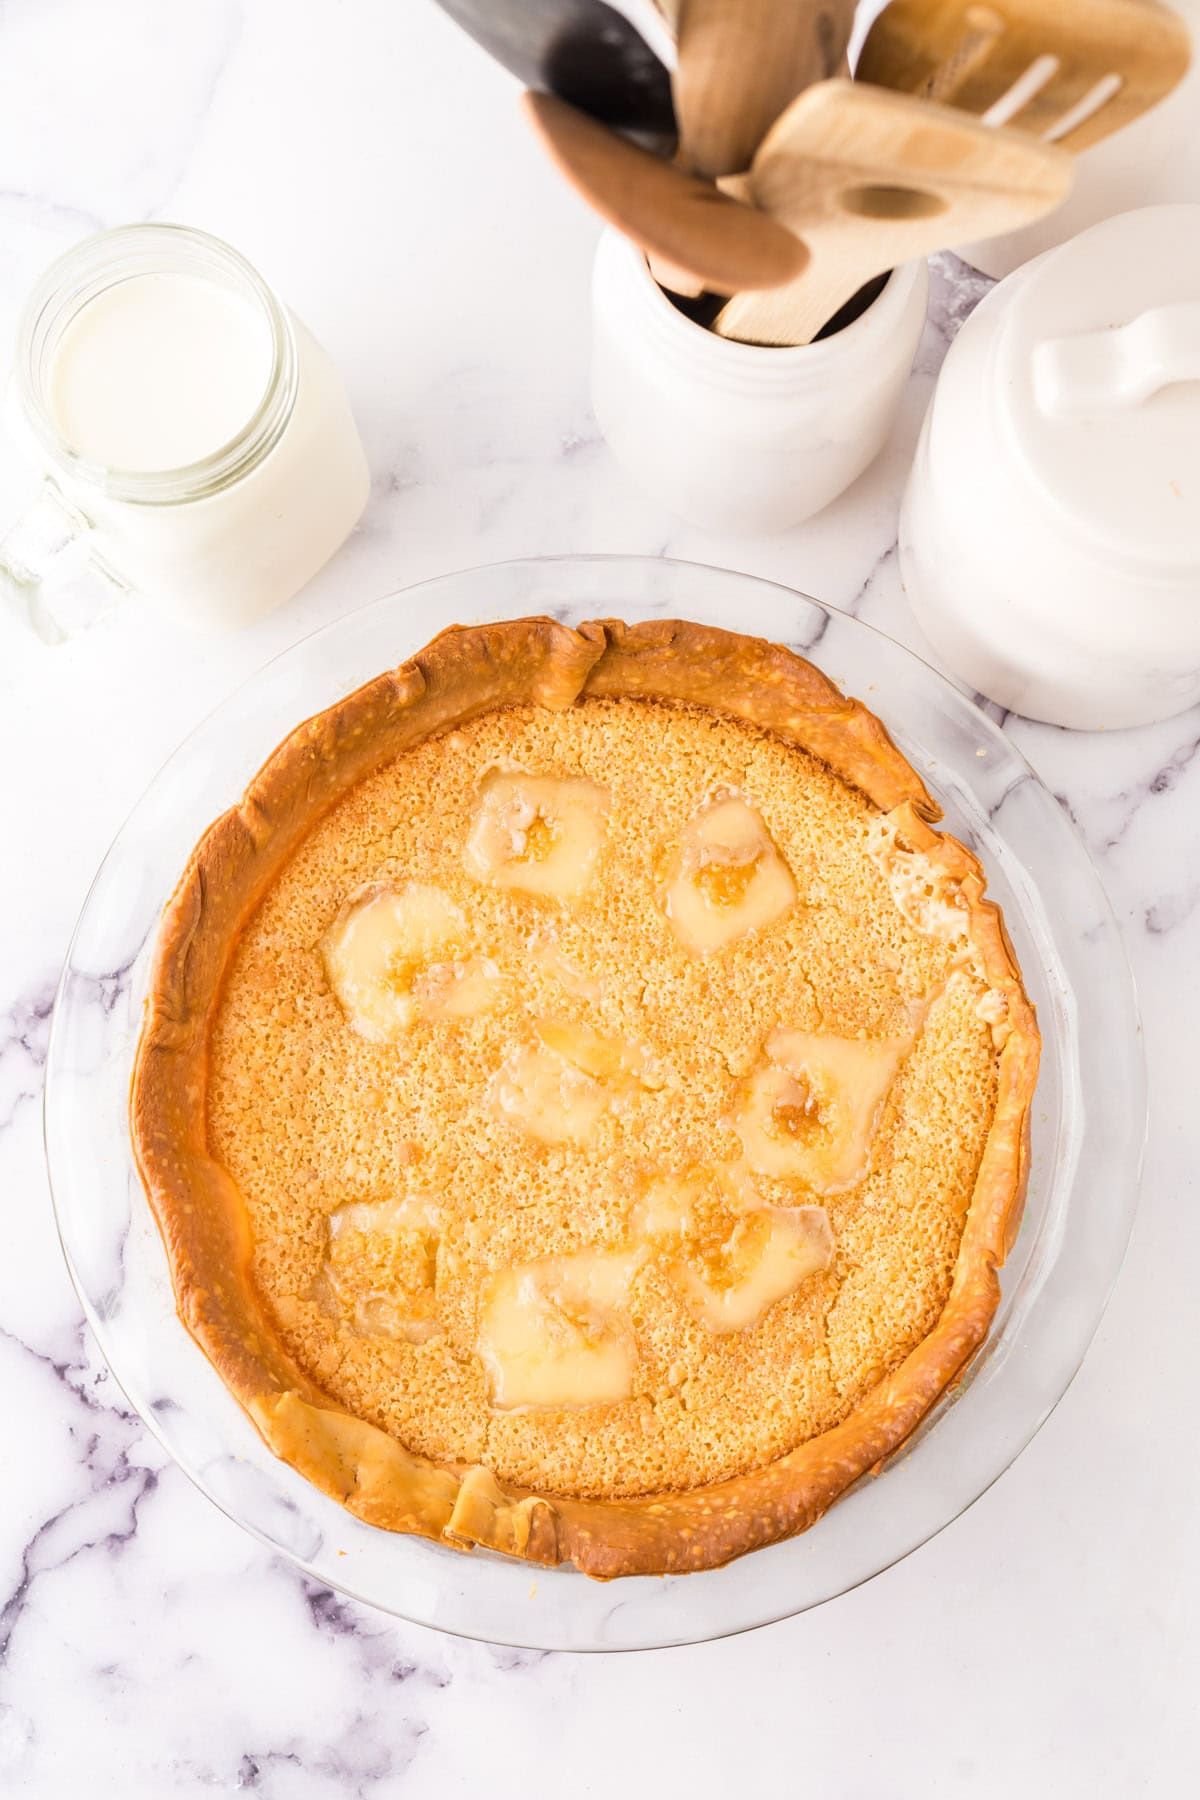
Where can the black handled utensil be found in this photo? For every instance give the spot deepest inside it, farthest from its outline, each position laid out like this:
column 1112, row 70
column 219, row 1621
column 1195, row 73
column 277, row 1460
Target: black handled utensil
column 584, row 51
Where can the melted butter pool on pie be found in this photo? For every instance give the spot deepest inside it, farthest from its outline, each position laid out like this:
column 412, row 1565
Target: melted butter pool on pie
column 394, row 955
column 809, row 1112
column 732, row 1254
column 553, row 1333
column 538, row 834
column 557, row 1090
column 729, row 877
column 381, row 1265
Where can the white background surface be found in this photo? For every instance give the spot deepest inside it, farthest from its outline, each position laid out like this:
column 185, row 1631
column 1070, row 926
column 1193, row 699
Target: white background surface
column 369, row 160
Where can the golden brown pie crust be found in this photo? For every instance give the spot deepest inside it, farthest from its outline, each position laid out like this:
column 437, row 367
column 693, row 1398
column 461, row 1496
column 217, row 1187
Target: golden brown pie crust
column 465, row 672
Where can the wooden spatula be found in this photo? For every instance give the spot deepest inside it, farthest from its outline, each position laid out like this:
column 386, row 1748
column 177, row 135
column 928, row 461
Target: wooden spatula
column 870, row 179
column 1066, row 73
column 720, row 242
column 739, row 64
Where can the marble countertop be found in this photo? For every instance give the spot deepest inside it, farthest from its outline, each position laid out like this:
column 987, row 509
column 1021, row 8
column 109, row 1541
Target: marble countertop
column 369, row 160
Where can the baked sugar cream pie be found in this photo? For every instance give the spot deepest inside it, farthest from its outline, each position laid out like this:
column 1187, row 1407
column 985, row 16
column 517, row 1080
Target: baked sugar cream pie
column 583, row 1098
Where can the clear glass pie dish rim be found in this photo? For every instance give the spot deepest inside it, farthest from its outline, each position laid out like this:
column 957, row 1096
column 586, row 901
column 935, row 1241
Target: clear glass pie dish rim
column 1088, row 1127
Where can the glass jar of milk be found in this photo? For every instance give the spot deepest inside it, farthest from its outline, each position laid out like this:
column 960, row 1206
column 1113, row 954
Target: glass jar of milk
column 195, row 441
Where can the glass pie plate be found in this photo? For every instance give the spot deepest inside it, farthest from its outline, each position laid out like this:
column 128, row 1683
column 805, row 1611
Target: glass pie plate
column 1088, row 1126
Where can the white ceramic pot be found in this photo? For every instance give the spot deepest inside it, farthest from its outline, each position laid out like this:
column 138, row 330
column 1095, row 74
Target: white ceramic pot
column 738, row 437
column 1050, row 532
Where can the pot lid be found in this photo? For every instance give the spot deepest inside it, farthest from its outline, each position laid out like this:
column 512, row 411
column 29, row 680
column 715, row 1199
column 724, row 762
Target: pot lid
column 1099, row 370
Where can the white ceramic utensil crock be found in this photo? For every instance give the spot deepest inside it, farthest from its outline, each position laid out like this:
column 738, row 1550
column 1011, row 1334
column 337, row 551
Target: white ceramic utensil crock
column 739, row 437
column 1050, row 533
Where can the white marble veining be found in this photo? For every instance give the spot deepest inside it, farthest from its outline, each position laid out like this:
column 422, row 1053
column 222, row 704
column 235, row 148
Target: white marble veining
column 369, row 160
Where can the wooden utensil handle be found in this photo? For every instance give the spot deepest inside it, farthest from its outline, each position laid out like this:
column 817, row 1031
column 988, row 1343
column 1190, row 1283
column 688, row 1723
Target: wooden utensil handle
column 792, row 314
column 740, row 63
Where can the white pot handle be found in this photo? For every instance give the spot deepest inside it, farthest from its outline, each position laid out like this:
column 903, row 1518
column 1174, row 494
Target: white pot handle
column 1121, row 367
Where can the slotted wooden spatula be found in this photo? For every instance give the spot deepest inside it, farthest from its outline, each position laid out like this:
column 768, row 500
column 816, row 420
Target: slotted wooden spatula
column 720, row 242
column 871, row 179
column 739, row 64
column 1069, row 73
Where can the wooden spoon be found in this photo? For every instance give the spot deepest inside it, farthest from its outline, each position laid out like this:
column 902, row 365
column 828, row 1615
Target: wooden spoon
column 1068, row 74
column 740, row 62
column 716, row 240
column 871, row 179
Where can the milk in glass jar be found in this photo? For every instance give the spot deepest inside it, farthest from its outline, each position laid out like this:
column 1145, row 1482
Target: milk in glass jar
column 195, row 442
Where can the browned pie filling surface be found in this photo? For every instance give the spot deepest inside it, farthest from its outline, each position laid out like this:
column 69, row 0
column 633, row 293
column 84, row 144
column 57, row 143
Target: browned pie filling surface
column 605, row 1105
